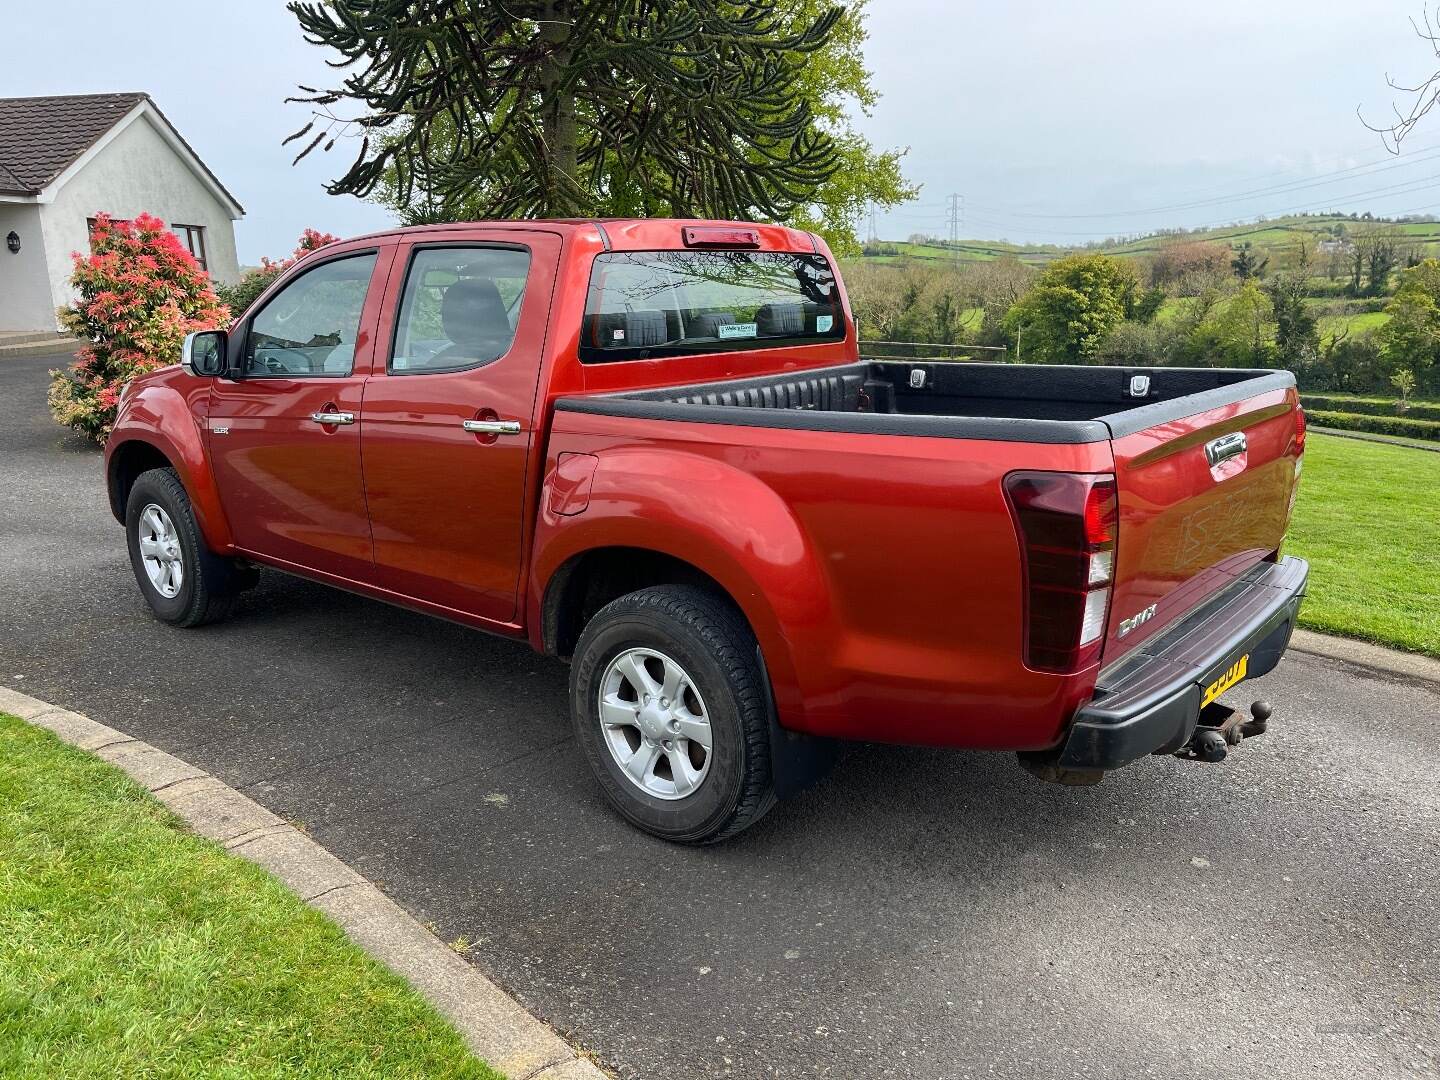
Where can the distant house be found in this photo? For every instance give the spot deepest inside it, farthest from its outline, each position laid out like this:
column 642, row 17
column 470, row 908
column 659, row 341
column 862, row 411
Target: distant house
column 65, row 159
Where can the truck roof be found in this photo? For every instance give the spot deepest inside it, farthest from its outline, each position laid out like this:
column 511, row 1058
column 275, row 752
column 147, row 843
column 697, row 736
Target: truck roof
column 626, row 234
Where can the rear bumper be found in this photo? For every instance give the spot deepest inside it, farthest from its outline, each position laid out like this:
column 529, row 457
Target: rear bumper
column 1149, row 702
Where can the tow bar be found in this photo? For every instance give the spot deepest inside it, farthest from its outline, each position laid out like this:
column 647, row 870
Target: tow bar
column 1221, row 727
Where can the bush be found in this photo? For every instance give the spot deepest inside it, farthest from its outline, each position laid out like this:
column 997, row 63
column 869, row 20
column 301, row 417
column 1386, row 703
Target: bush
column 240, row 296
column 1369, row 406
column 1133, row 344
column 140, row 294
column 1353, row 366
column 252, row 283
column 1379, row 425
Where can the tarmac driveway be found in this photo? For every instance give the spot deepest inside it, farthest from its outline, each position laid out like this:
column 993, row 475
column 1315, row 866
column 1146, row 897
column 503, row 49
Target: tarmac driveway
column 921, row 914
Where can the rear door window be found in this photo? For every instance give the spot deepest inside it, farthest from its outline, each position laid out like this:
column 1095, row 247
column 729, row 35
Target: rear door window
column 664, row 303
column 460, row 308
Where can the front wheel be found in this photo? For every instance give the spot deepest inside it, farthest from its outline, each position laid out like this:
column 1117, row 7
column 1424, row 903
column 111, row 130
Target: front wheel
column 184, row 583
column 670, row 707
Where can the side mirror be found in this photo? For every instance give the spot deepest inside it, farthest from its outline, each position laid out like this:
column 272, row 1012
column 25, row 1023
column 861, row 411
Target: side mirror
column 204, row 353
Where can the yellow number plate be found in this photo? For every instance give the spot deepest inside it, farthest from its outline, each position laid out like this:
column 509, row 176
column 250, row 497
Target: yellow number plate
column 1233, row 675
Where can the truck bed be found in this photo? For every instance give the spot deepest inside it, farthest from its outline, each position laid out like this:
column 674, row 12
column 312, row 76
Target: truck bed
column 1017, row 402
column 1188, row 524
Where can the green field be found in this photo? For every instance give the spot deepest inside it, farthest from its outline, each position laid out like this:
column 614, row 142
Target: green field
column 1368, row 519
column 130, row 947
column 1363, row 323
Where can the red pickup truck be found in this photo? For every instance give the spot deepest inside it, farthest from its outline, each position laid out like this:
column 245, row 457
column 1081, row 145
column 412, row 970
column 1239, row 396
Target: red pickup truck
column 653, row 448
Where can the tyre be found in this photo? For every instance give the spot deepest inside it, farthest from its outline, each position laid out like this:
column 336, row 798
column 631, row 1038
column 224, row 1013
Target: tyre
column 184, row 583
column 672, row 711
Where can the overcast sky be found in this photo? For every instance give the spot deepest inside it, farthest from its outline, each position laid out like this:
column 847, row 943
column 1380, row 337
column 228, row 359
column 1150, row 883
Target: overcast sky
column 1055, row 121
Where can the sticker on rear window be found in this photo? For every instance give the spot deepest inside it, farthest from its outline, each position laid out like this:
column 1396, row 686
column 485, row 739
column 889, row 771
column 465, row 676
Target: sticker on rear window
column 823, row 323
column 738, row 329
column 619, row 335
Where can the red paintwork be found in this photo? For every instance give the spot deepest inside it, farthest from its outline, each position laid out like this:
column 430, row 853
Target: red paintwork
column 881, row 574
column 1182, row 533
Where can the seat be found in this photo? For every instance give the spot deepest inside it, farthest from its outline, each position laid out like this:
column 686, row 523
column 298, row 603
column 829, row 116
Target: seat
column 474, row 319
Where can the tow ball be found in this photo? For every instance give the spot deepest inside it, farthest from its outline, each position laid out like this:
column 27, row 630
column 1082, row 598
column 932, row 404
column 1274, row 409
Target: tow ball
column 1221, row 727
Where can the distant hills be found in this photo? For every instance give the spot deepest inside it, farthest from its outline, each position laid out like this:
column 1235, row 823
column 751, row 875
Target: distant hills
column 1278, row 238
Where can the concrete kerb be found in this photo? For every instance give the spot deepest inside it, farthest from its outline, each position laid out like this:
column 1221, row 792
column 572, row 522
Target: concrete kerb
column 1365, row 655
column 494, row 1025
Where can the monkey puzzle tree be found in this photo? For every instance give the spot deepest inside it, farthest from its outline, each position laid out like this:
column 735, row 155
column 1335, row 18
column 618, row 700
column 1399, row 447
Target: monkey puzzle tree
column 576, row 107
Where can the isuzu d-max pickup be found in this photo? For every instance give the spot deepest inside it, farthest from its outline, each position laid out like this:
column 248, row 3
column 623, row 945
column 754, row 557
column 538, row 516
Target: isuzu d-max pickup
column 654, row 448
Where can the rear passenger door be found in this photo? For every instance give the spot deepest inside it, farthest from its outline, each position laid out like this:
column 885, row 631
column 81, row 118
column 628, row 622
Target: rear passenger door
column 448, row 431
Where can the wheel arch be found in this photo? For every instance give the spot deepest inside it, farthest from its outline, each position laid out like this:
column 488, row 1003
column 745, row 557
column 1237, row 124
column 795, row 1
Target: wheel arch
column 128, row 459
column 157, row 429
column 590, row 579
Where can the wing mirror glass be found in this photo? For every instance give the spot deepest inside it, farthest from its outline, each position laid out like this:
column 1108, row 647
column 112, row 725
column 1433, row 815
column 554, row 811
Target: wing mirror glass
column 204, row 352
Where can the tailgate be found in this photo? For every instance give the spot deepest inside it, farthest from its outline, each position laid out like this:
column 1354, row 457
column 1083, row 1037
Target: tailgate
column 1202, row 499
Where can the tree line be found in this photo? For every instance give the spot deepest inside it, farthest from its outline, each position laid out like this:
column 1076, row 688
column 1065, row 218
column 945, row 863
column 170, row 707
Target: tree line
column 1191, row 303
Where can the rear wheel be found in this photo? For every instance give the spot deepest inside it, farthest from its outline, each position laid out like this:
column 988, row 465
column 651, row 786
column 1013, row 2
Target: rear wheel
column 184, row 583
column 670, row 708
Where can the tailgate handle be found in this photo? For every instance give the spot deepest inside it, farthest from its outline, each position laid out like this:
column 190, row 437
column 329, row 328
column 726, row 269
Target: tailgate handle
column 1225, row 447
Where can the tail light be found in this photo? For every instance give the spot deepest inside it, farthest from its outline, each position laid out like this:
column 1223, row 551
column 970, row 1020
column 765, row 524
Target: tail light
column 1299, row 430
column 1067, row 524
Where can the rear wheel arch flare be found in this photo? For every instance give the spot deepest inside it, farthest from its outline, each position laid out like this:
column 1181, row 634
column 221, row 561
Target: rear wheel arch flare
column 589, row 580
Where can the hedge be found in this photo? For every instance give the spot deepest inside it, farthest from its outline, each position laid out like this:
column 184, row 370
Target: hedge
column 1379, row 425
column 1368, row 406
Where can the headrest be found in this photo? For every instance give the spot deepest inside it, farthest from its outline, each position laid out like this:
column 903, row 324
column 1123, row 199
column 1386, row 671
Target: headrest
column 780, row 320
column 631, row 329
column 472, row 312
column 709, row 325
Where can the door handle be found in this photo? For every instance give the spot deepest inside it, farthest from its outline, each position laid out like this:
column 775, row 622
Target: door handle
column 492, row 427
column 1225, row 447
column 332, row 417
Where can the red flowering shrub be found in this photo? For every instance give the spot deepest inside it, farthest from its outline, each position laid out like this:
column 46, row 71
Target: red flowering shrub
column 242, row 295
column 140, row 293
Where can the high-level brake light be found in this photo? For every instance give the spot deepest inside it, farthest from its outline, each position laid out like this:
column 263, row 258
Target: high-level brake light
column 714, row 236
column 1067, row 524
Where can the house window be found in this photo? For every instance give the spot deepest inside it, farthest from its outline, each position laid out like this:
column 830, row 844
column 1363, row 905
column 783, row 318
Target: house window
column 90, row 228
column 192, row 239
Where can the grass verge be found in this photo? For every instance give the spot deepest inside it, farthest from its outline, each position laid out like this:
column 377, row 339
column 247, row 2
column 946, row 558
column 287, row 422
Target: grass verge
column 1368, row 519
column 131, row 947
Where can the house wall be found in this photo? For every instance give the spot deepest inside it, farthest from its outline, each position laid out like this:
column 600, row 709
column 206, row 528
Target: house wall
column 136, row 172
column 25, row 298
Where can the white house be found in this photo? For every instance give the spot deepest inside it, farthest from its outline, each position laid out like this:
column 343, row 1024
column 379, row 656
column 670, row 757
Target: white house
column 65, row 159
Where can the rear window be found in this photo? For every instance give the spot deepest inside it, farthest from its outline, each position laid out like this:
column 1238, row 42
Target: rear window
column 676, row 303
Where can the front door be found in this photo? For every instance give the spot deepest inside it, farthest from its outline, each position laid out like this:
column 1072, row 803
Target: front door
column 285, row 434
column 448, row 421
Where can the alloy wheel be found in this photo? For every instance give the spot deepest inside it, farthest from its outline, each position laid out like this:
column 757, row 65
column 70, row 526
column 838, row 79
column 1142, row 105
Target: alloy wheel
column 655, row 724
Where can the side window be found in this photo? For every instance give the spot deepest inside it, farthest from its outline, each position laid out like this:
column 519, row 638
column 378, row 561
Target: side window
column 310, row 326
column 460, row 308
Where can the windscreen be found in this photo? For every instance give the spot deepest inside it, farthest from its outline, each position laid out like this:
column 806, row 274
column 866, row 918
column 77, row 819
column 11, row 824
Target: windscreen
column 665, row 303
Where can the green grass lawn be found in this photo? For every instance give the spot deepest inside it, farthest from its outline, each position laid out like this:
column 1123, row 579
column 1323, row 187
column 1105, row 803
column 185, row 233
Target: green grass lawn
column 1368, row 520
column 130, row 947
